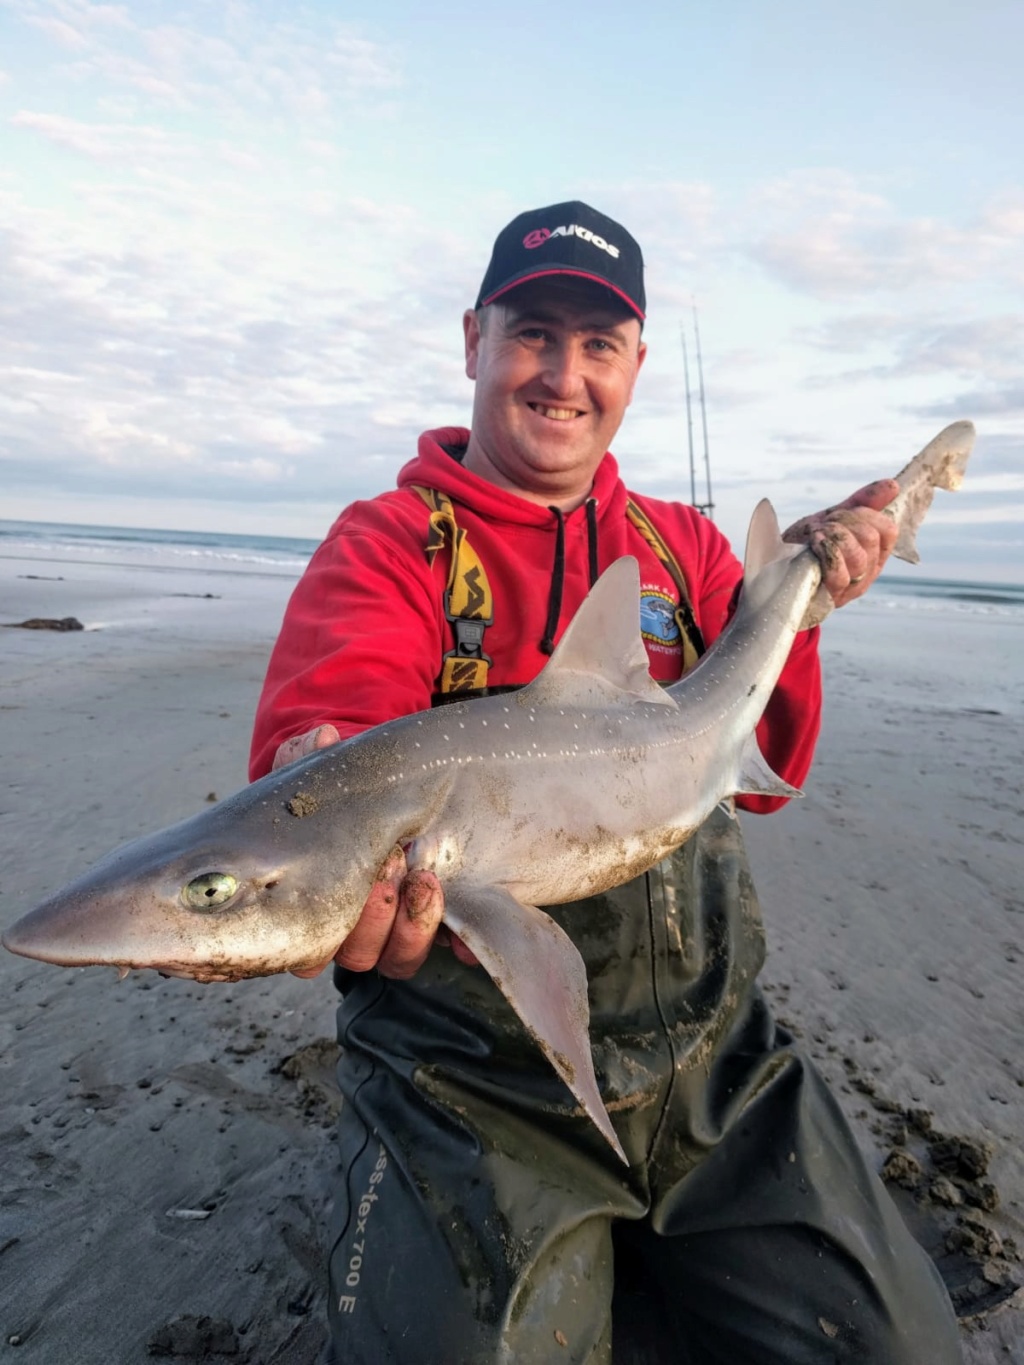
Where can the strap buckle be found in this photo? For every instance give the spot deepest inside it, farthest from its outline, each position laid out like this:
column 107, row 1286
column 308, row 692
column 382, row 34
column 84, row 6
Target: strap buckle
column 469, row 637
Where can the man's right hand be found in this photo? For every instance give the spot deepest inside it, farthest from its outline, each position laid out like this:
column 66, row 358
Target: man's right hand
column 402, row 915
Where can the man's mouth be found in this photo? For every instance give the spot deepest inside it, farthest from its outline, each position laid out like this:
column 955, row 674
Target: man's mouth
column 555, row 414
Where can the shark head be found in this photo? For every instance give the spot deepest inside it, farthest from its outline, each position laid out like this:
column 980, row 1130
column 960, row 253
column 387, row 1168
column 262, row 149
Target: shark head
column 252, row 886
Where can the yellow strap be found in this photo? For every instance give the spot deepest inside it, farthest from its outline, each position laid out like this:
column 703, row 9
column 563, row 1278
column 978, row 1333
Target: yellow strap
column 693, row 641
column 469, row 592
column 467, row 596
column 462, row 675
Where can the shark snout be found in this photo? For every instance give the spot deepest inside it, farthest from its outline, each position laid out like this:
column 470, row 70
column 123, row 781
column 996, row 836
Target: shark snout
column 70, row 932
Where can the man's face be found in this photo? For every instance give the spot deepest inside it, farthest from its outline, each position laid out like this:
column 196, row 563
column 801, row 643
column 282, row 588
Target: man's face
column 555, row 363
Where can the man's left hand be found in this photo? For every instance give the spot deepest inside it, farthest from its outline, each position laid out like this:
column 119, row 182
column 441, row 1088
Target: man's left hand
column 853, row 540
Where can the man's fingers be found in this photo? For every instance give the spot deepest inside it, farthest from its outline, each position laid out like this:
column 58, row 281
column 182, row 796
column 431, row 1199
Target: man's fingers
column 301, row 745
column 420, row 907
column 364, row 945
column 874, row 495
column 463, row 953
column 399, row 923
column 392, row 869
column 853, row 549
column 307, row 973
column 841, row 549
column 324, row 736
column 446, row 939
column 859, row 507
column 401, row 916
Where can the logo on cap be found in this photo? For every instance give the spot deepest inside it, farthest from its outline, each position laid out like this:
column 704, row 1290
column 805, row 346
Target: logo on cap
column 540, row 235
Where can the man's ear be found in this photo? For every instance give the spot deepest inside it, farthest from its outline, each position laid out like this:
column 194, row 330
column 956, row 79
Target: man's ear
column 641, row 356
column 472, row 332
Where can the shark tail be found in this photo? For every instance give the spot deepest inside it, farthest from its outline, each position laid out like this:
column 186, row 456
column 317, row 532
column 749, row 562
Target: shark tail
column 940, row 464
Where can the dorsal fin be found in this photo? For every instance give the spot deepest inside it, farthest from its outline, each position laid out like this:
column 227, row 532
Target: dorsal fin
column 601, row 657
column 765, row 563
column 766, row 557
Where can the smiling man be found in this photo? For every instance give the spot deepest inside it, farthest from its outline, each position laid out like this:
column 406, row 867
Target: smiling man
column 555, row 370
column 479, row 1216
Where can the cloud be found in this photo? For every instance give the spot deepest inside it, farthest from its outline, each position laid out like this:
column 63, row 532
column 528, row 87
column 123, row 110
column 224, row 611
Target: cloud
column 922, row 344
column 113, row 143
column 224, row 59
column 683, row 226
column 64, row 34
column 830, row 239
column 998, row 401
column 153, row 367
column 829, row 258
column 971, row 366
column 999, row 453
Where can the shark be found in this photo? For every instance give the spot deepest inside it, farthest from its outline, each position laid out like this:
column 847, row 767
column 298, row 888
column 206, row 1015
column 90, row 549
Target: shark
column 581, row 780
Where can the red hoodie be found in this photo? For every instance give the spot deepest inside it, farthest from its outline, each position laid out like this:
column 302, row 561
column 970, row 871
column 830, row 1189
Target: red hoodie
column 365, row 630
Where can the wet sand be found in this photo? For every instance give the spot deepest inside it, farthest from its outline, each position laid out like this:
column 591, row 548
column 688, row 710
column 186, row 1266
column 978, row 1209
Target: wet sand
column 894, row 903
column 166, row 1152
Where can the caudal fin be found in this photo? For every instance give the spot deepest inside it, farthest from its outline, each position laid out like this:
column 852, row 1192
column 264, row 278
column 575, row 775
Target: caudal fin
column 940, row 464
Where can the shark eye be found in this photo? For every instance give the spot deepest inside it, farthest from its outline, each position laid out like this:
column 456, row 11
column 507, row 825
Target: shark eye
column 209, row 891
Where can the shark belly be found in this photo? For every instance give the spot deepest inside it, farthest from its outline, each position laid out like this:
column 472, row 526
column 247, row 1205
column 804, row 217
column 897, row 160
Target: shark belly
column 568, row 819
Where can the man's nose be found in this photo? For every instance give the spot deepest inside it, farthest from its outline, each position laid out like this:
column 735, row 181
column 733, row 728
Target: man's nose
column 562, row 368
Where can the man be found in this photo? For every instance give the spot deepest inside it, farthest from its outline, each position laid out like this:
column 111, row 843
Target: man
column 480, row 1218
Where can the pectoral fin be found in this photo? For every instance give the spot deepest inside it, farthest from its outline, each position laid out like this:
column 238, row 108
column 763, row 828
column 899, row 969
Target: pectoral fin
column 539, row 971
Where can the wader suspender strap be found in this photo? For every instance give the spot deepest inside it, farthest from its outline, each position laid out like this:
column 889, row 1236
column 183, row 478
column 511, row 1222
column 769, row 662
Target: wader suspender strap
column 693, row 641
column 468, row 602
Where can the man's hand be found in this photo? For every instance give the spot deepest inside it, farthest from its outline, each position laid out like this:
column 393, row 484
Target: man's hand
column 853, row 540
column 398, row 924
column 301, row 745
column 402, row 914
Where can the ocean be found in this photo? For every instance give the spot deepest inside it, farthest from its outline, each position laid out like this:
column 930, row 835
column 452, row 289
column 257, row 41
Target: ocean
column 285, row 555
column 135, row 547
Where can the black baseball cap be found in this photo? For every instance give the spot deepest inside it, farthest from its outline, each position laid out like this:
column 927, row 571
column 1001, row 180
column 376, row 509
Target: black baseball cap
column 566, row 239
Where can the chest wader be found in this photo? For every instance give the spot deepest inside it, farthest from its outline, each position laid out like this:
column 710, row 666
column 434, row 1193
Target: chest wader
column 481, row 1218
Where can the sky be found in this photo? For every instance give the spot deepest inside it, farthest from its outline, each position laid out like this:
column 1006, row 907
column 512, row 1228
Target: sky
column 237, row 239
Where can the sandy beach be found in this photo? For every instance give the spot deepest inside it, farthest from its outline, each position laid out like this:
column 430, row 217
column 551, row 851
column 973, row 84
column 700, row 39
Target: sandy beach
column 166, row 1149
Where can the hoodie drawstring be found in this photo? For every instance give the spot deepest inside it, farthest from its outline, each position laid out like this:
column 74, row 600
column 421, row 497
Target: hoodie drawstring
column 592, row 539
column 547, row 644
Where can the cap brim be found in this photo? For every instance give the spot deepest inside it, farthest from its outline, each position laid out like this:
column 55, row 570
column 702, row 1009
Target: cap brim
column 528, row 275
